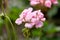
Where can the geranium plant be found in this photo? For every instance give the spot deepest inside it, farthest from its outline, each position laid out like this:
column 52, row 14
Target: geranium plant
column 34, row 19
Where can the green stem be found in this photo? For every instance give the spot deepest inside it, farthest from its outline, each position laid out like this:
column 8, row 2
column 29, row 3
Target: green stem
column 2, row 7
column 7, row 28
column 4, row 12
column 8, row 31
column 14, row 31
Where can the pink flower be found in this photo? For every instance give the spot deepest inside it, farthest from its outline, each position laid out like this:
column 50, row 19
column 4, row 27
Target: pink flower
column 28, row 25
column 54, row 1
column 48, row 3
column 33, row 3
column 31, row 18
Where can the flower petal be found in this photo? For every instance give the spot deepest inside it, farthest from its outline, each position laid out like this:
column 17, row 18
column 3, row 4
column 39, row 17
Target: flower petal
column 54, row 1
column 43, row 19
column 33, row 3
column 39, row 24
column 28, row 25
column 48, row 3
column 40, row 14
column 18, row 21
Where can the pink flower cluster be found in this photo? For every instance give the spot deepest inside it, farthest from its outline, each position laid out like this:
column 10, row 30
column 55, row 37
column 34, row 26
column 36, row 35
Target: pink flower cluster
column 46, row 3
column 31, row 18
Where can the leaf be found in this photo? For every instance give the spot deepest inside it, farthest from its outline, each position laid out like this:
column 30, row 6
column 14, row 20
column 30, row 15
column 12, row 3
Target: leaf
column 36, row 32
column 49, row 28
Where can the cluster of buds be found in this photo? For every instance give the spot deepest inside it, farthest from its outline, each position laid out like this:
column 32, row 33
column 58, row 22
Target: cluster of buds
column 46, row 3
column 31, row 18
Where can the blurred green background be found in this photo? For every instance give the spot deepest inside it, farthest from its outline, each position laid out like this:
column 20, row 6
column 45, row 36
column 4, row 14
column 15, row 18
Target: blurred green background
column 13, row 8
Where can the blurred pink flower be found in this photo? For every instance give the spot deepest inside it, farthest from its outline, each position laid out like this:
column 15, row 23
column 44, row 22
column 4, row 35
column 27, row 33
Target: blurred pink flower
column 31, row 18
column 34, row 3
column 54, row 1
column 46, row 3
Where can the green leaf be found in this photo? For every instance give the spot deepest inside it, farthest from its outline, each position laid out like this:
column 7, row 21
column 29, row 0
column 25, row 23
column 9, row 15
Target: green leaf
column 49, row 28
column 36, row 32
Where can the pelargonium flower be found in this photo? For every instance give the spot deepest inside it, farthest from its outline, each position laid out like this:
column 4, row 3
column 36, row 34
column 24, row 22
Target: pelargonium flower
column 46, row 3
column 31, row 18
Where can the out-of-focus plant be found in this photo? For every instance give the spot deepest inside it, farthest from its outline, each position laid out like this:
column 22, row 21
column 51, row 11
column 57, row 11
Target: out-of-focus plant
column 26, row 17
column 45, row 33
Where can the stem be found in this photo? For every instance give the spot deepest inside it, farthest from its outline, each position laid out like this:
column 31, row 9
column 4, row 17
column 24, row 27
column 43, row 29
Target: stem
column 12, row 26
column 8, row 31
column 4, row 12
column 2, row 8
column 7, row 28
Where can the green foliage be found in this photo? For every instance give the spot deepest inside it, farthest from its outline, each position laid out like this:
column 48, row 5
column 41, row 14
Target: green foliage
column 52, row 11
column 1, row 22
column 49, row 28
column 1, row 26
column 14, row 13
column 10, row 28
column 59, row 3
column 36, row 32
column 26, row 32
column 26, row 2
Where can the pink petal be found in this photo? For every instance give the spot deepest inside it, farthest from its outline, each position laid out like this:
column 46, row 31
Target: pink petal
column 18, row 21
column 43, row 19
column 40, row 14
column 54, row 1
column 23, row 13
column 33, row 3
column 30, row 9
column 34, row 14
column 33, row 20
column 28, row 17
column 41, row 1
column 39, row 24
column 48, row 3
column 28, row 25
